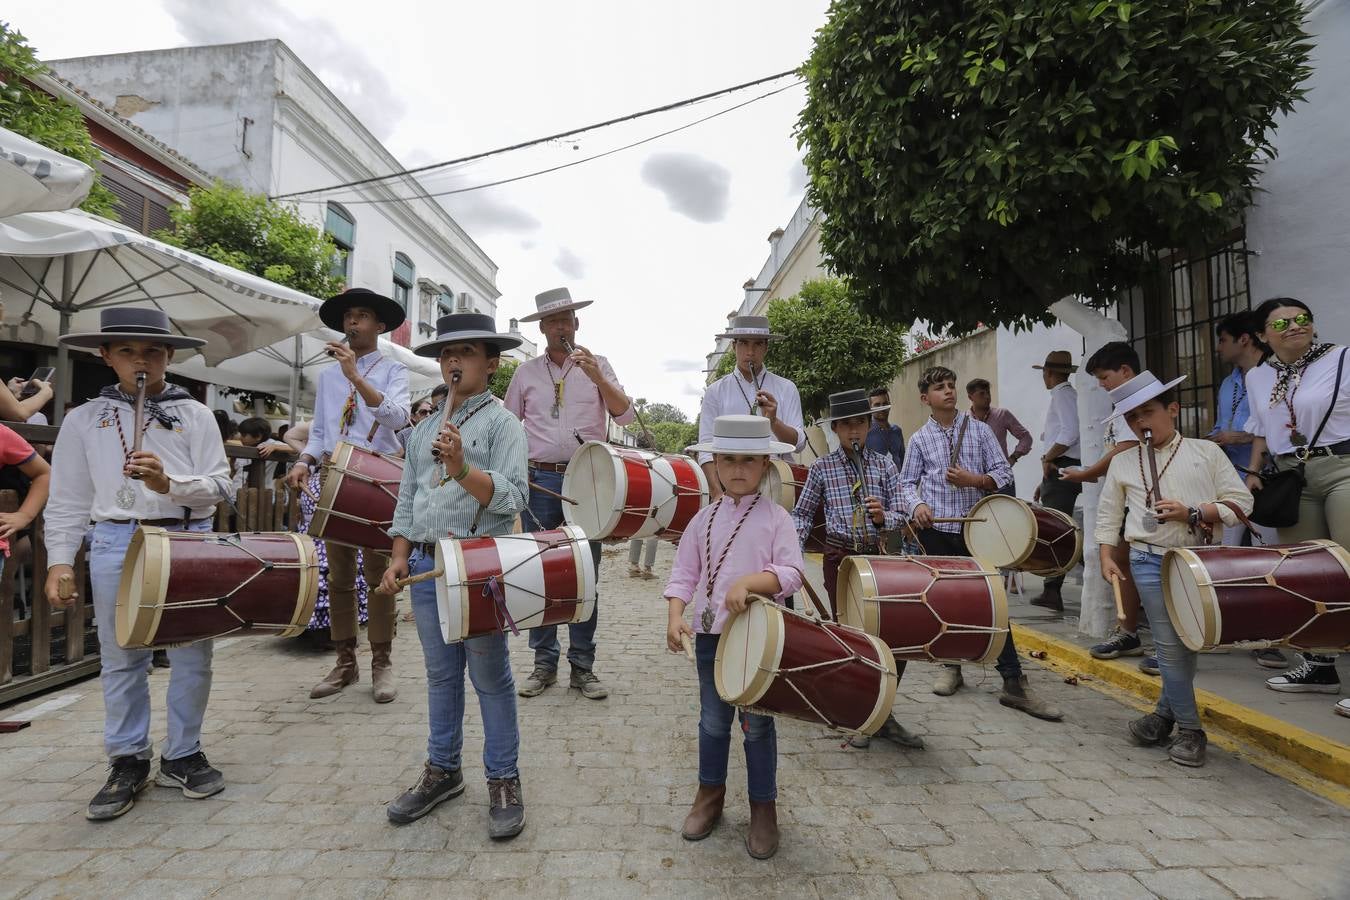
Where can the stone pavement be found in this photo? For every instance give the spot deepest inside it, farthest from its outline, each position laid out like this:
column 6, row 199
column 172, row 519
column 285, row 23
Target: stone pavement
column 999, row 805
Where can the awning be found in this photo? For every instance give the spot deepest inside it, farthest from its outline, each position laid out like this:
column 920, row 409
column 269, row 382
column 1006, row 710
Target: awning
column 35, row 179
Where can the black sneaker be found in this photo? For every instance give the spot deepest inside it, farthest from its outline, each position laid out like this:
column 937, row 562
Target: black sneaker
column 435, row 785
column 126, row 776
column 506, row 812
column 1149, row 665
column 1188, row 748
column 1271, row 658
column 1151, row 730
column 1118, row 644
column 192, row 774
column 1313, row 677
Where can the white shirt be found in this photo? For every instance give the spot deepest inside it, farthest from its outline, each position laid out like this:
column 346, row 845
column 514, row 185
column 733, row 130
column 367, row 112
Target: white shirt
column 330, row 396
column 1061, row 420
column 87, row 466
column 734, row 395
column 1310, row 404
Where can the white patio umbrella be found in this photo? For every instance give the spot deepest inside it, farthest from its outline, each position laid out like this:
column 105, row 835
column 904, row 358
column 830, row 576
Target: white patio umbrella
column 36, row 179
column 58, row 269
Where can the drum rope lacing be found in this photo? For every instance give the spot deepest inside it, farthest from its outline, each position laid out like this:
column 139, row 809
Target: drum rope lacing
column 492, row 585
column 677, row 490
column 948, row 628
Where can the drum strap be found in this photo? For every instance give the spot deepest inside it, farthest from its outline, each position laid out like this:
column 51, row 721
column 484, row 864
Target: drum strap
column 821, row 611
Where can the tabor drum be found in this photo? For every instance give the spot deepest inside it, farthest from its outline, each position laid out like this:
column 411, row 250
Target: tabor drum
column 183, row 586
column 775, row 661
column 936, row 608
column 624, row 493
column 357, row 498
column 513, row 582
column 1008, row 533
column 1293, row 595
column 787, row 480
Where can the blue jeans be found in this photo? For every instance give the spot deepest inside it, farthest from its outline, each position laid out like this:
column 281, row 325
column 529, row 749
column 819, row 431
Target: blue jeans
column 1176, row 664
column 490, row 670
column 546, row 512
column 714, row 733
column 125, row 676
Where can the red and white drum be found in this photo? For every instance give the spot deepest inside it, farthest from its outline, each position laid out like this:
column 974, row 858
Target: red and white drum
column 625, row 493
column 1294, row 595
column 787, row 480
column 357, row 498
column 523, row 580
column 183, row 586
column 1007, row 533
column 775, row 661
column 936, row 608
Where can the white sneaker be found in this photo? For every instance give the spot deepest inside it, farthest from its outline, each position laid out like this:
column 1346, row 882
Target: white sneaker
column 1343, row 708
column 948, row 681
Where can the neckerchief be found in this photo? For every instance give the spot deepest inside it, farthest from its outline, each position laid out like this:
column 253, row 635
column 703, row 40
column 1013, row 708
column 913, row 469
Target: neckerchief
column 153, row 410
column 1291, row 373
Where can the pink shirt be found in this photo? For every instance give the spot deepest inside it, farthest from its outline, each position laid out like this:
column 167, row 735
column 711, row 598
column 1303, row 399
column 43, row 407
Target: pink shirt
column 14, row 451
column 583, row 411
column 767, row 542
column 1003, row 421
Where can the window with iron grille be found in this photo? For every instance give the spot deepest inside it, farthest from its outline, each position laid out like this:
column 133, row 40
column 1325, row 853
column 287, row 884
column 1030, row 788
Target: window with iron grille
column 404, row 276
column 1171, row 317
column 341, row 227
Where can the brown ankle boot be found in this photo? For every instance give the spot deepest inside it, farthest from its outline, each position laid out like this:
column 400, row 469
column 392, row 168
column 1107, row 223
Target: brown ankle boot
column 343, row 674
column 762, row 840
column 382, row 672
column 705, row 812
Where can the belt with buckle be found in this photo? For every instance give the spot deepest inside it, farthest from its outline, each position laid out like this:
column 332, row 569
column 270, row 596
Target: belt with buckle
column 1303, row 454
column 548, row 467
column 855, row 549
column 157, row 523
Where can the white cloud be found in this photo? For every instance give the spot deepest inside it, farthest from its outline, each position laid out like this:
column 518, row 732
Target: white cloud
column 694, row 186
column 481, row 211
column 570, row 264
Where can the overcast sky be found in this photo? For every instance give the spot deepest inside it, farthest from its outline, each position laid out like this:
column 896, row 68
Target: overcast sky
column 661, row 236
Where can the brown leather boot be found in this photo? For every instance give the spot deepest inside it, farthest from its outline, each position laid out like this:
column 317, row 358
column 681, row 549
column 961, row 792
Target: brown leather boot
column 705, row 812
column 343, row 674
column 1050, row 598
column 382, row 672
column 762, row 840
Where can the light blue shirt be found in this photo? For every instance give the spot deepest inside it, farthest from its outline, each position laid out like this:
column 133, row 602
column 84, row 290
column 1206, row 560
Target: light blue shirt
column 1232, row 415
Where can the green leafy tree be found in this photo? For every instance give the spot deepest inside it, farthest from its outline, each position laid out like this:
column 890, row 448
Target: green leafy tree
column 663, row 412
column 673, row 437
column 254, row 234
column 976, row 162
column 829, row 344
column 501, row 379
column 40, row 117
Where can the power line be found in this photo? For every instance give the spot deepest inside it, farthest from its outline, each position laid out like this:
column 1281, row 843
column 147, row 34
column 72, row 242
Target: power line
column 541, row 140
column 424, row 195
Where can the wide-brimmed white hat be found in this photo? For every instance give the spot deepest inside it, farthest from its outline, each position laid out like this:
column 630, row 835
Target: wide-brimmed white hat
column 743, row 435
column 750, row 327
column 554, row 301
column 1136, row 392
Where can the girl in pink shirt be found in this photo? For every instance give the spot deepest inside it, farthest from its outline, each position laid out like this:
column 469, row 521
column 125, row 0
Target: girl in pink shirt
column 743, row 543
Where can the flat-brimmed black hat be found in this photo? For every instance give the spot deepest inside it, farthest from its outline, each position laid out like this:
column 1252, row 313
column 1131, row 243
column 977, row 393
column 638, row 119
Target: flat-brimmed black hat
column 848, row 404
column 388, row 312
column 460, row 327
column 131, row 323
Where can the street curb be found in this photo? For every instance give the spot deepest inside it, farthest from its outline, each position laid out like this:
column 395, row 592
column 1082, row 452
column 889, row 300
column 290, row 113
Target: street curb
column 1309, row 760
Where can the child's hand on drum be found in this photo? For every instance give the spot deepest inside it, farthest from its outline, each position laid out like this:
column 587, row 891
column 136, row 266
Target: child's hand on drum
column 738, row 595
column 923, row 516
column 397, row 568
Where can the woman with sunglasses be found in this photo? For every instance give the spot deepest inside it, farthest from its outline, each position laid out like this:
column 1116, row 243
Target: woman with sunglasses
column 1290, row 394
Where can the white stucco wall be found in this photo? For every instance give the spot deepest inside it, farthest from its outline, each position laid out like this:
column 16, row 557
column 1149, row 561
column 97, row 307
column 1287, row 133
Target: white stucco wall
column 1020, row 388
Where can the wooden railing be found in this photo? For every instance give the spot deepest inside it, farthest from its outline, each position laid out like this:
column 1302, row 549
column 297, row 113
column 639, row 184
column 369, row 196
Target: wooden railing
column 41, row 648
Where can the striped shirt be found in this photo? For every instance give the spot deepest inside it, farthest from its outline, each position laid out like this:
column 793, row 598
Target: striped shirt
column 1200, row 473
column 831, row 480
column 494, row 442
column 924, row 477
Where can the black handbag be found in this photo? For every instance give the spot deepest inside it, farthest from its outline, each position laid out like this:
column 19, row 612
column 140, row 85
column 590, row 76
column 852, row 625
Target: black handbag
column 1276, row 504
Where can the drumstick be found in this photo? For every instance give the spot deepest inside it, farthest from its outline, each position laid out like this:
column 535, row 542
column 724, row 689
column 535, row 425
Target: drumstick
column 137, row 432
column 1120, row 604
column 545, row 490
column 401, row 583
column 688, row 646
column 957, row 519
column 65, row 586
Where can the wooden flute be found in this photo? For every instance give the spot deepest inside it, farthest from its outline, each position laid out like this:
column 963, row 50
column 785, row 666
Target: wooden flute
column 137, row 429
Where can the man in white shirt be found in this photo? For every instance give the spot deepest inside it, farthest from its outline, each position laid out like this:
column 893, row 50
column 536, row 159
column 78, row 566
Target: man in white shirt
column 751, row 389
column 363, row 400
column 1059, row 450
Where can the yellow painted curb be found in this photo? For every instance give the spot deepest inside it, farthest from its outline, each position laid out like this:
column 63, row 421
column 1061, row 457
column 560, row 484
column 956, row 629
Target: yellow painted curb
column 1309, row 760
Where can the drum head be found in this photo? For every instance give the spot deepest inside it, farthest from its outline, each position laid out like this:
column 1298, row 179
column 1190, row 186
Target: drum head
column 1192, row 604
column 140, row 595
column 781, row 486
column 595, row 481
column 856, row 586
column 748, row 654
column 1006, row 536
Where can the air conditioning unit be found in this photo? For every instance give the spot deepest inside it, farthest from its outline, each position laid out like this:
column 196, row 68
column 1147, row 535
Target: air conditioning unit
column 462, row 303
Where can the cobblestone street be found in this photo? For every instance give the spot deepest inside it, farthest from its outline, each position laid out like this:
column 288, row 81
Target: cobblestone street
column 998, row 805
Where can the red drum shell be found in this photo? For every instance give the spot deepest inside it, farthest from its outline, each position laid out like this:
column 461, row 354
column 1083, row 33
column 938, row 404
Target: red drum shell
column 791, row 479
column 357, row 498
column 934, row 608
column 1008, row 533
column 1295, row 595
column 171, row 582
column 626, row 493
column 769, row 659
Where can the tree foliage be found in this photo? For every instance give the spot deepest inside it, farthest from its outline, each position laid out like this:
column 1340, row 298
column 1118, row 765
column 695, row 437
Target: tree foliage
column 501, row 379
column 653, row 413
column 829, row 344
column 254, row 234
column 47, row 120
column 978, row 161
column 672, row 437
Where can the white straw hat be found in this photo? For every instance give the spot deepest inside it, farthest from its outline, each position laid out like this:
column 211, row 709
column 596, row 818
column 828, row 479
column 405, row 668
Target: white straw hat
column 743, row 435
column 1136, row 392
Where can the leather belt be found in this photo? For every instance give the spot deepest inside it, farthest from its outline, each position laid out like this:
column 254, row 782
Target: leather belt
column 1303, row 454
column 157, row 523
column 548, row 467
column 1152, row 549
column 855, row 549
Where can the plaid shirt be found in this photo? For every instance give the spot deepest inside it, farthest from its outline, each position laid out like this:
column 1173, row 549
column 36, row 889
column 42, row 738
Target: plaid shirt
column 832, row 479
column 924, row 478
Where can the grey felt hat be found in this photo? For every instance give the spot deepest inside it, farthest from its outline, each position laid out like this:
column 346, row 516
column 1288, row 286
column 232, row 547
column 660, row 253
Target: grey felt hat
column 750, row 327
column 131, row 323
column 459, row 327
column 554, row 301
column 848, row 405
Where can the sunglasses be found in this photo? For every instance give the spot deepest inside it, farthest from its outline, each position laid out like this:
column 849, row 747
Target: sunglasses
column 1279, row 326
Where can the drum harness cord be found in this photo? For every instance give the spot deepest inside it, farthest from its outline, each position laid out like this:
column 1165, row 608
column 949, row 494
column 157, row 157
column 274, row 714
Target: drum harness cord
column 492, row 587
